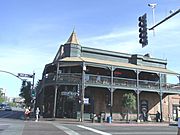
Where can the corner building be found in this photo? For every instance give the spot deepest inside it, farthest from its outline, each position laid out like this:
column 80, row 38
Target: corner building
column 82, row 80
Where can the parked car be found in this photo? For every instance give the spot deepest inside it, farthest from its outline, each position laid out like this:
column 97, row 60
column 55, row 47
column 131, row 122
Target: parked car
column 8, row 108
column 2, row 106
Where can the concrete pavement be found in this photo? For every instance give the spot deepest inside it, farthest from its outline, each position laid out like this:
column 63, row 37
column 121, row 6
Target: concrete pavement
column 41, row 128
column 70, row 127
column 114, row 123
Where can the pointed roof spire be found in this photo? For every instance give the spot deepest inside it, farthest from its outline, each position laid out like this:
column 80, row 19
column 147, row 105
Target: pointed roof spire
column 73, row 39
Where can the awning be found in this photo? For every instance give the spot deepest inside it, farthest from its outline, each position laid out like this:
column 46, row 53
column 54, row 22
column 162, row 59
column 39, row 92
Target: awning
column 118, row 64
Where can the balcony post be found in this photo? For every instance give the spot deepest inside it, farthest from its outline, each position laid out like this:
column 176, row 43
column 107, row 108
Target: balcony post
column 161, row 94
column 111, row 91
column 82, row 92
column 55, row 92
column 137, row 92
column 161, row 118
column 55, row 100
column 43, row 92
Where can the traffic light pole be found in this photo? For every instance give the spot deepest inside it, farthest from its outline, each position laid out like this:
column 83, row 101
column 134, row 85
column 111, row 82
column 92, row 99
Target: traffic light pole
column 173, row 14
column 33, row 80
column 12, row 74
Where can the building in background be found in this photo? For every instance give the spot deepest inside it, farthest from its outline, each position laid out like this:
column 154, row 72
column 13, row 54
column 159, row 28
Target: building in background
column 82, row 80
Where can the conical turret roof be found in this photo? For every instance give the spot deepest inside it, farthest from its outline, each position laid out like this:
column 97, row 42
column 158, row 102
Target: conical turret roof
column 73, row 39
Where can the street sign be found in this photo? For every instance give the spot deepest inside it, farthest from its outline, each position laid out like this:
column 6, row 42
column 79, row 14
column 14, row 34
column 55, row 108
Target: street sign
column 68, row 93
column 86, row 100
column 25, row 75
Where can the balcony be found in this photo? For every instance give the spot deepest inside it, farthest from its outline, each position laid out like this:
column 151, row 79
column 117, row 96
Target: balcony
column 105, row 81
column 63, row 78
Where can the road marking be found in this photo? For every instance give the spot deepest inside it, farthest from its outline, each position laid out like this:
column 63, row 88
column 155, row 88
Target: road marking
column 66, row 130
column 94, row 130
column 143, row 133
column 4, row 124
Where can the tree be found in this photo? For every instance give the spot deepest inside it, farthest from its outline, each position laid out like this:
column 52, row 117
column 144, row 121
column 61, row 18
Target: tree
column 1, row 95
column 38, row 86
column 25, row 92
column 129, row 103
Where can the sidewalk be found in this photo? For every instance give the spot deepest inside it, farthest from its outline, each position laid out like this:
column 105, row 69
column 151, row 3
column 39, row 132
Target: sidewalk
column 114, row 123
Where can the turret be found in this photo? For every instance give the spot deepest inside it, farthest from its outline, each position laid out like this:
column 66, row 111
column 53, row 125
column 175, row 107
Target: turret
column 72, row 48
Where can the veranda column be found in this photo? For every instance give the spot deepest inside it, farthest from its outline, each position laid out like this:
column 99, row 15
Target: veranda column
column 137, row 92
column 55, row 92
column 55, row 101
column 160, row 94
column 43, row 94
column 82, row 91
column 111, row 91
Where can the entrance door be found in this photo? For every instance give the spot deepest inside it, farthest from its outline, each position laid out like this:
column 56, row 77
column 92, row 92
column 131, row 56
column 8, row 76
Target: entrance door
column 68, row 109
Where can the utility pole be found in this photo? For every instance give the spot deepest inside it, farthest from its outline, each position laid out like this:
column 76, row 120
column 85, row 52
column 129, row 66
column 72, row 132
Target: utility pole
column 153, row 6
column 33, row 79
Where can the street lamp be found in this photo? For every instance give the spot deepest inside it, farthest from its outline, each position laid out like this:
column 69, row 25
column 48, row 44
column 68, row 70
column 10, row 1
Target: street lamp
column 153, row 6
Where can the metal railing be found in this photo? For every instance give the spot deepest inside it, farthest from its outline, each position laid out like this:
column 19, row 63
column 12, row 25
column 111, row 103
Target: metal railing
column 152, row 85
column 97, row 79
column 69, row 78
column 124, row 82
column 90, row 79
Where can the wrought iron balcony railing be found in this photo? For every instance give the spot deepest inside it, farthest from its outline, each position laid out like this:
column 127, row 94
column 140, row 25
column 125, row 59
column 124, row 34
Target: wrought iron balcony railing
column 90, row 79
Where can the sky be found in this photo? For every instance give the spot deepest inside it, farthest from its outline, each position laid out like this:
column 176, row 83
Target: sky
column 31, row 32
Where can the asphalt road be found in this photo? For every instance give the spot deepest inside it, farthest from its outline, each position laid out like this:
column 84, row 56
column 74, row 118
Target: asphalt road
column 12, row 114
column 16, row 126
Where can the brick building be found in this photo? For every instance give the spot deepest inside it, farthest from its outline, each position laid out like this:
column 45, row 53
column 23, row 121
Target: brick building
column 83, row 80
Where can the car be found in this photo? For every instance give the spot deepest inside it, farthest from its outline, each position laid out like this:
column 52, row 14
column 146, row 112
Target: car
column 2, row 106
column 8, row 108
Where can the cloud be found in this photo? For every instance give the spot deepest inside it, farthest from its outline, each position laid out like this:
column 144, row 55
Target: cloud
column 124, row 41
column 164, row 45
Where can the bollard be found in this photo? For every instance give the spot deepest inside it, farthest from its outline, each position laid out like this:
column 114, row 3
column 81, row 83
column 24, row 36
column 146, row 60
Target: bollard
column 109, row 119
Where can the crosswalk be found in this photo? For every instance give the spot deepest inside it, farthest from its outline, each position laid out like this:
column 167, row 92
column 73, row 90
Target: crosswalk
column 72, row 132
column 66, row 130
column 94, row 130
column 19, row 127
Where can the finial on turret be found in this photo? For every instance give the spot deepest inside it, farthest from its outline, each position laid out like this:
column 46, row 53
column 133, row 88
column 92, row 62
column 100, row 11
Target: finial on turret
column 73, row 38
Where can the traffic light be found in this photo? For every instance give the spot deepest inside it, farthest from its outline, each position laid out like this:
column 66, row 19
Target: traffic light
column 78, row 91
column 143, row 30
column 33, row 94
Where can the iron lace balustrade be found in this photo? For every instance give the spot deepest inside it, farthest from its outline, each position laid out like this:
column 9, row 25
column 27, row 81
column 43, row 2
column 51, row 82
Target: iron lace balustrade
column 151, row 85
column 105, row 81
column 170, row 87
column 50, row 78
column 97, row 79
column 125, row 82
column 74, row 78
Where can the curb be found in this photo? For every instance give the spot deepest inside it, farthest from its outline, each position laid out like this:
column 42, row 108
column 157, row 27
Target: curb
column 116, row 123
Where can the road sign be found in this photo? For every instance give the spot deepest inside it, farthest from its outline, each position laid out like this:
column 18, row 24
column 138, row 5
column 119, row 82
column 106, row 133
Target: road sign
column 86, row 100
column 68, row 93
column 25, row 75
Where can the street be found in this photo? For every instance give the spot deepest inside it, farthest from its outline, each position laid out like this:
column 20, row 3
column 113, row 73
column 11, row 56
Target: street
column 18, row 126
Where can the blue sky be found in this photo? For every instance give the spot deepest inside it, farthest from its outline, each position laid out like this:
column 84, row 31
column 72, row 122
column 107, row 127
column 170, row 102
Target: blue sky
column 31, row 32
